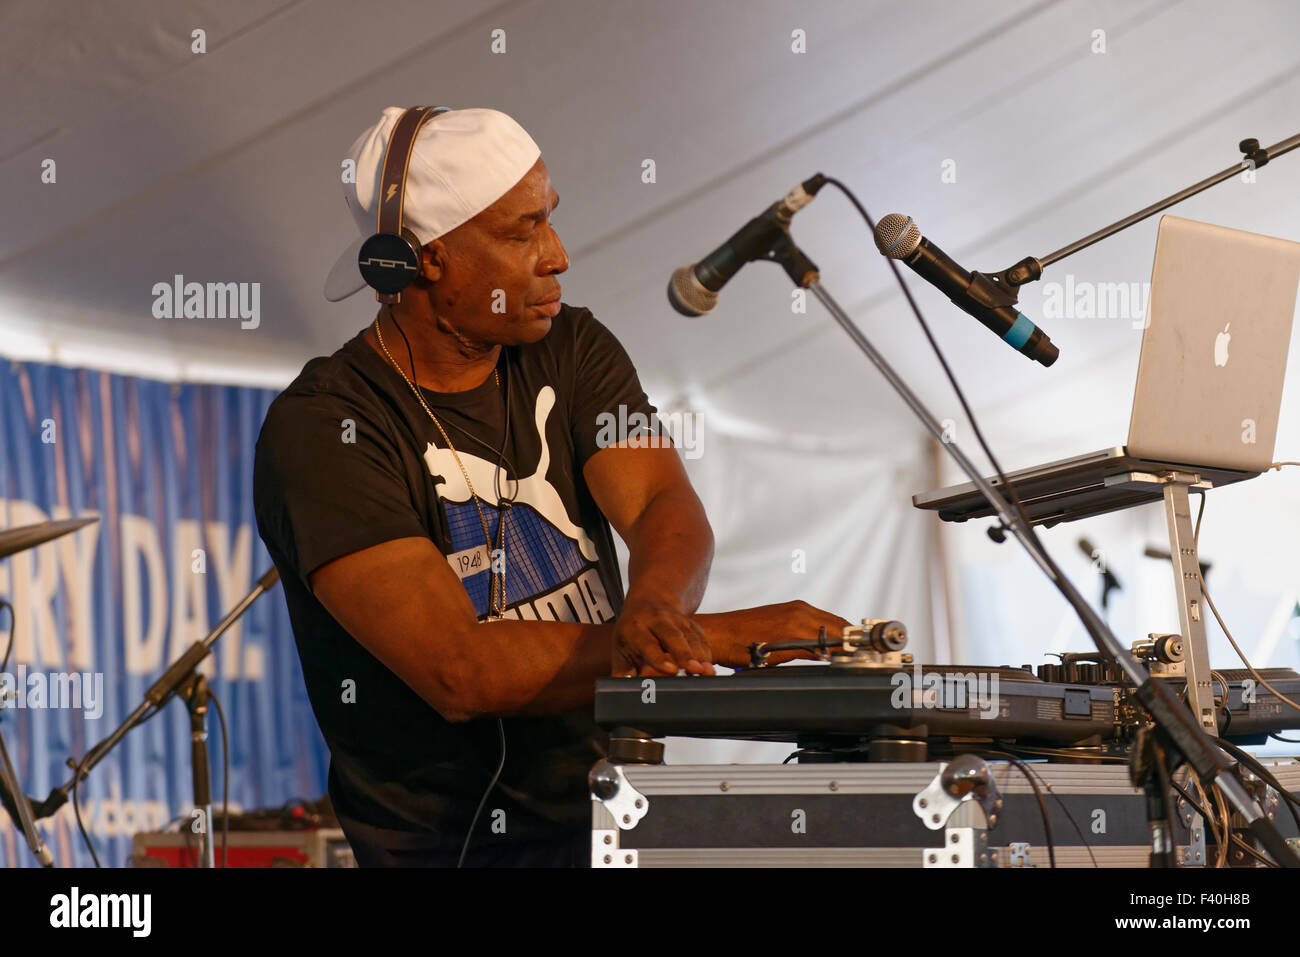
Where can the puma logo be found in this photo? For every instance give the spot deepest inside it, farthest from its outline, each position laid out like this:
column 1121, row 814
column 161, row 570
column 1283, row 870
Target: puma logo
column 533, row 490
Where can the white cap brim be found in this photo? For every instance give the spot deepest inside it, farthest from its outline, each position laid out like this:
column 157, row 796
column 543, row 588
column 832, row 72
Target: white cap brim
column 344, row 278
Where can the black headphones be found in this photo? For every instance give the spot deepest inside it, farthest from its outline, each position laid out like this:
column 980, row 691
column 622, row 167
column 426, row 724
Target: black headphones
column 390, row 259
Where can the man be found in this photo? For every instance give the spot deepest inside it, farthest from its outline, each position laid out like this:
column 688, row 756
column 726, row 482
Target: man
column 438, row 502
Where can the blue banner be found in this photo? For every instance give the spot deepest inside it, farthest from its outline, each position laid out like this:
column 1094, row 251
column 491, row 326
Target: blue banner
column 99, row 613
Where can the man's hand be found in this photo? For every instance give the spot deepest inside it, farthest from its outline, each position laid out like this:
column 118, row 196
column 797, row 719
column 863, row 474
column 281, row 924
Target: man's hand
column 654, row 637
column 646, row 496
column 731, row 633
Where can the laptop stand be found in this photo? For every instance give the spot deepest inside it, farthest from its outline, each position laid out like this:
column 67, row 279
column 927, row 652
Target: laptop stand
column 1051, row 497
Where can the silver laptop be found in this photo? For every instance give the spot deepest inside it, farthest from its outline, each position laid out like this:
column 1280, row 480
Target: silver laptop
column 1209, row 382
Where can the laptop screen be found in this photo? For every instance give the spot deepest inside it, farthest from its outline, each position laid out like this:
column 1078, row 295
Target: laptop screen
column 1213, row 360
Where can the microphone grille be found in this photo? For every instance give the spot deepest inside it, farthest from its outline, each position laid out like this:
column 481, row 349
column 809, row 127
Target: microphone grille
column 688, row 295
column 897, row 236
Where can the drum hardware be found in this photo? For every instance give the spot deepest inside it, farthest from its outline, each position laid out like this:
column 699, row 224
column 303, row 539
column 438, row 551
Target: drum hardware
column 19, row 806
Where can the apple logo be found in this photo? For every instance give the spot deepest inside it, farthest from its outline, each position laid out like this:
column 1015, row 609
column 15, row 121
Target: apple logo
column 1221, row 347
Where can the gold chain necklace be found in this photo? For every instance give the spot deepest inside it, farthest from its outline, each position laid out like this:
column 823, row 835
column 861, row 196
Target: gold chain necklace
column 496, row 597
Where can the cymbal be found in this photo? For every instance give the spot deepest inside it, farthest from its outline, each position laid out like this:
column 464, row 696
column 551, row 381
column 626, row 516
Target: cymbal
column 29, row 536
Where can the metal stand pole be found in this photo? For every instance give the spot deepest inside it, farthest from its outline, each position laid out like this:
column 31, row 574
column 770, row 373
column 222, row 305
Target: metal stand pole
column 197, row 696
column 178, row 679
column 1187, row 586
column 1253, row 157
column 20, row 808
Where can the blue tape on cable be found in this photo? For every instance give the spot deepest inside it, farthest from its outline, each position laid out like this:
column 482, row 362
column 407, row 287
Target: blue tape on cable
column 1019, row 332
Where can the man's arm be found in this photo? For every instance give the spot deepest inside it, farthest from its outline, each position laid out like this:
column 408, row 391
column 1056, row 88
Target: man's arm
column 404, row 604
column 645, row 494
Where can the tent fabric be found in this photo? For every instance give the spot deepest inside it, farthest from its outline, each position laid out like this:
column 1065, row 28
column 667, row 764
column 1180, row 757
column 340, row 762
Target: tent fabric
column 167, row 470
column 197, row 142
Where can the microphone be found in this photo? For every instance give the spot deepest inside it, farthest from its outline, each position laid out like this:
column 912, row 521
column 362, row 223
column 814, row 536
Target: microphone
column 1111, row 582
column 897, row 237
column 693, row 290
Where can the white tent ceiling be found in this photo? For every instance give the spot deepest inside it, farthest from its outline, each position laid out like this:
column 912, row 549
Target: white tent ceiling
column 223, row 166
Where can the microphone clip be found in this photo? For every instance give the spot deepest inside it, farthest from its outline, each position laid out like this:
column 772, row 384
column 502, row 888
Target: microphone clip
column 1027, row 270
column 994, row 290
column 803, row 272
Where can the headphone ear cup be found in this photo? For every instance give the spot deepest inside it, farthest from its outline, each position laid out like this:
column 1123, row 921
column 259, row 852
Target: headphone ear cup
column 416, row 249
column 389, row 262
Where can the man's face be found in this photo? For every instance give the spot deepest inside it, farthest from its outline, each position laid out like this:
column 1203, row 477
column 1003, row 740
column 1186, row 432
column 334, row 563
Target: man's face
column 499, row 269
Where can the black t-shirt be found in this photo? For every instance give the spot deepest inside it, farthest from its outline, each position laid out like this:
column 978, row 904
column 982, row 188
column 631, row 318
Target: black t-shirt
column 347, row 459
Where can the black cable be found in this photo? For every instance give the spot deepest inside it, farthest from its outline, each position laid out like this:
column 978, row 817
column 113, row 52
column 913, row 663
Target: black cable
column 501, row 452
column 1042, row 805
column 76, row 808
column 1068, row 816
column 1292, row 802
column 410, row 357
column 1022, row 750
column 1166, row 783
column 225, row 780
column 1209, row 600
column 502, row 501
column 505, row 437
column 483, row 800
column 505, row 441
column 80, row 771
column 1279, row 737
column 1260, row 770
column 961, row 397
column 1233, row 838
column 1095, row 627
column 496, row 490
column 4, row 667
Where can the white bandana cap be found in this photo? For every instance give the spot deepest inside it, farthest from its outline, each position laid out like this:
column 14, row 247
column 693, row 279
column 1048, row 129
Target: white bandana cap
column 462, row 162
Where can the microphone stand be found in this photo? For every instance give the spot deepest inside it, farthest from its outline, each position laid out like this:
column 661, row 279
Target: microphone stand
column 11, row 793
column 1253, row 157
column 1182, row 738
column 1109, row 583
column 1002, row 289
column 184, row 679
column 19, row 808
